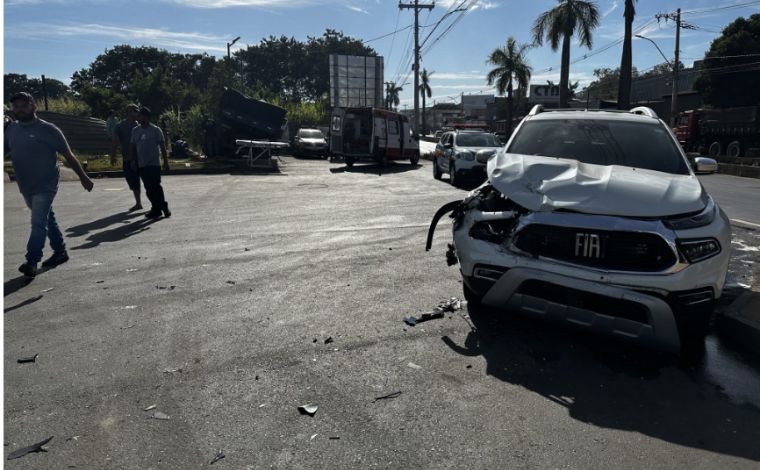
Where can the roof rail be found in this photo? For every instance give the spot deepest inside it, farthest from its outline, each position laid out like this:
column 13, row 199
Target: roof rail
column 644, row 111
column 537, row 109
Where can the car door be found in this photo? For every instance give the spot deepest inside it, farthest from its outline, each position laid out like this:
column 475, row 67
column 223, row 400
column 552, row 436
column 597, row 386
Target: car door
column 447, row 141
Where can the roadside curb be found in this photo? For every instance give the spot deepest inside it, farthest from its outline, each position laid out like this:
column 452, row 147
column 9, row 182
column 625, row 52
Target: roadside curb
column 740, row 321
column 745, row 225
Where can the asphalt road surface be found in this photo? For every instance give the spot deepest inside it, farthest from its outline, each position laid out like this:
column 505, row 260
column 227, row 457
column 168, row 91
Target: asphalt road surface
column 220, row 317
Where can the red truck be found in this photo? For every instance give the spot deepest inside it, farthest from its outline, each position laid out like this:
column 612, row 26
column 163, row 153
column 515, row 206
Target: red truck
column 727, row 131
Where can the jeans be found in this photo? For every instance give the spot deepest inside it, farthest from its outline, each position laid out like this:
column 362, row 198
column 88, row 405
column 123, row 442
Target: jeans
column 44, row 226
column 151, row 178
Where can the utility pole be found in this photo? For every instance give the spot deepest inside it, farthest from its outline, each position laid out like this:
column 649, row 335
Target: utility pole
column 416, row 7
column 679, row 24
column 44, row 92
column 229, row 44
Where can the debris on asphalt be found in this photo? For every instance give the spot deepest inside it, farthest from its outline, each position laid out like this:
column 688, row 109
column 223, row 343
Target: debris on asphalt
column 313, row 436
column 148, row 408
column 127, row 327
column 99, row 282
column 171, row 371
column 231, row 283
column 451, row 305
column 334, row 438
column 315, row 340
column 160, row 415
column 219, row 456
column 130, row 307
column 469, row 366
column 29, row 449
column 308, row 409
column 24, row 360
column 47, row 290
column 131, row 270
column 414, row 366
column 247, row 249
column 165, row 287
column 329, row 340
column 389, row 396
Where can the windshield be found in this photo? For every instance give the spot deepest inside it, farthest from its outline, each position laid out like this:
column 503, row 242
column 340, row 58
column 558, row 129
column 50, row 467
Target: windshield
column 310, row 134
column 632, row 144
column 477, row 139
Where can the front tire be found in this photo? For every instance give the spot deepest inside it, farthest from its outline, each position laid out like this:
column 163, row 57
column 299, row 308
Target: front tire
column 470, row 296
column 415, row 158
column 453, row 180
column 436, row 171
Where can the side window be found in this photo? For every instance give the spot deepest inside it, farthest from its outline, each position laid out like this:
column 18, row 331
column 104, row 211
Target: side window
column 393, row 127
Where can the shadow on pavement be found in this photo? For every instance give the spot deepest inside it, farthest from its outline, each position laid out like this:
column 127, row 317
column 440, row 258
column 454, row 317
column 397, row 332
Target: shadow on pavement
column 23, row 304
column 16, row 284
column 613, row 385
column 117, row 234
column 390, row 168
column 84, row 229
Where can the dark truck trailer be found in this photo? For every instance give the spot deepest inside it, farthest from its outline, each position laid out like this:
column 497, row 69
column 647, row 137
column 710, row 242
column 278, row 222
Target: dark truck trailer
column 729, row 131
column 244, row 118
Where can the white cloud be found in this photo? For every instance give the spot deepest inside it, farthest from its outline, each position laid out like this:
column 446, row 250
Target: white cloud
column 357, row 9
column 154, row 37
column 457, row 76
column 482, row 4
column 615, row 4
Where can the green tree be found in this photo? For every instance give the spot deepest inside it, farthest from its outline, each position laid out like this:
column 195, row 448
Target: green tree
column 14, row 83
column 727, row 80
column 392, row 95
column 511, row 66
column 558, row 25
column 103, row 100
column 425, row 90
column 626, row 61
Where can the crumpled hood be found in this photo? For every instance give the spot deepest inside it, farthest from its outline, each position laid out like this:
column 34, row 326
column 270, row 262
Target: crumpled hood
column 545, row 184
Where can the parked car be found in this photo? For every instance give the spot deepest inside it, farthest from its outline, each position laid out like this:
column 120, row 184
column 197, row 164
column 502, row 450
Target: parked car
column 595, row 219
column 463, row 155
column 704, row 165
column 310, row 142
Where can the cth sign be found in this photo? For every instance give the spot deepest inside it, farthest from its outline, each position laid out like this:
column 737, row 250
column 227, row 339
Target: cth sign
column 544, row 94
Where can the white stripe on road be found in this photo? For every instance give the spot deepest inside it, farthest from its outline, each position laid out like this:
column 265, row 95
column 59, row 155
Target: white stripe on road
column 744, row 222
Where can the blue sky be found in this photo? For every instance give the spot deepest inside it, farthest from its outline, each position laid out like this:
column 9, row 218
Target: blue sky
column 58, row 37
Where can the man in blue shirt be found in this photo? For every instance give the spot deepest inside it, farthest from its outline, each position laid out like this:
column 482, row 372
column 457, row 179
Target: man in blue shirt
column 147, row 140
column 34, row 145
column 122, row 135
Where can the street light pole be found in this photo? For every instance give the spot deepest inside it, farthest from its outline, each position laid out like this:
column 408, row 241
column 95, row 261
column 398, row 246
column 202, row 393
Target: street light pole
column 658, row 48
column 230, row 44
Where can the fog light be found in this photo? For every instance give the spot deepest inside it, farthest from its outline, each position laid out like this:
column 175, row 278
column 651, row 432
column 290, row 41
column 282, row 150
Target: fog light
column 490, row 273
column 699, row 250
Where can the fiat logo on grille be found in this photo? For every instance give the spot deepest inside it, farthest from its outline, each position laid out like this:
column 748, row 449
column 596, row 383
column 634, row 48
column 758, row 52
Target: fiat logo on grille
column 588, row 245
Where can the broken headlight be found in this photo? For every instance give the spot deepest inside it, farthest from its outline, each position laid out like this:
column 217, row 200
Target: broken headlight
column 699, row 250
column 705, row 217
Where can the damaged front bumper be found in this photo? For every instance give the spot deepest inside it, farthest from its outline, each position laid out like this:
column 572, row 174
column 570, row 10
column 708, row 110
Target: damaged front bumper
column 634, row 305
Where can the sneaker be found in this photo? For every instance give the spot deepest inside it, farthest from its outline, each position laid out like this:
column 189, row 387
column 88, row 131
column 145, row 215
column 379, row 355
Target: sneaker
column 166, row 211
column 58, row 257
column 153, row 214
column 28, row 269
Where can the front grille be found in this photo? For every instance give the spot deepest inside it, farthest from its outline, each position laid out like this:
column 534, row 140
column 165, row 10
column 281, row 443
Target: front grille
column 611, row 250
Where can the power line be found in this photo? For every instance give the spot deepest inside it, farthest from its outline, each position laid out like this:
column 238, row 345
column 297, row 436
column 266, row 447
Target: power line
column 386, row 35
column 728, row 6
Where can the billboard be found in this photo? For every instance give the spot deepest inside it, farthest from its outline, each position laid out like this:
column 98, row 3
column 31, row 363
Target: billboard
column 544, row 94
column 356, row 81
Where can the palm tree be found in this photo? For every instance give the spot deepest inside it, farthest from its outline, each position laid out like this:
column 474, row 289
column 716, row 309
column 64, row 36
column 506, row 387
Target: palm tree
column 511, row 67
column 626, row 62
column 558, row 25
column 391, row 95
column 425, row 90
